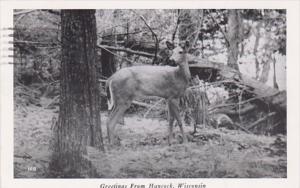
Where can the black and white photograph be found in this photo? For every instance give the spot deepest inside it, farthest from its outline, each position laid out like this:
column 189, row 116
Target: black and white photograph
column 164, row 93
column 153, row 93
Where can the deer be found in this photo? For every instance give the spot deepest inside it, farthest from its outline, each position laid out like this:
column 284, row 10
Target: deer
column 133, row 82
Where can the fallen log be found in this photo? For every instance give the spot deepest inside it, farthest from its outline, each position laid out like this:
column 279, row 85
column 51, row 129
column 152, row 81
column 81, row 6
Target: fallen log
column 262, row 92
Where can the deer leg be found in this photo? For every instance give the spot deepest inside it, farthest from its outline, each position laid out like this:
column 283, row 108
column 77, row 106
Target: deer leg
column 122, row 121
column 175, row 109
column 109, row 121
column 171, row 122
column 113, row 120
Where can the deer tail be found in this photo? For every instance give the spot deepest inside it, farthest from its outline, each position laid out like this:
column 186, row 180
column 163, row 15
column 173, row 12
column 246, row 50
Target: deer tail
column 110, row 96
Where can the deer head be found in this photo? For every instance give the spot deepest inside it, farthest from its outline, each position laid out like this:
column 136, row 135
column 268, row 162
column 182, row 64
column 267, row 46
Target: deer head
column 180, row 57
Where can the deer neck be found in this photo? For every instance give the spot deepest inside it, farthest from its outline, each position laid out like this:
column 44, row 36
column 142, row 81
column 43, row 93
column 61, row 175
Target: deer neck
column 183, row 71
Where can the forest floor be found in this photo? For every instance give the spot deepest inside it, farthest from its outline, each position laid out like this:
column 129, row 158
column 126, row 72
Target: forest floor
column 144, row 152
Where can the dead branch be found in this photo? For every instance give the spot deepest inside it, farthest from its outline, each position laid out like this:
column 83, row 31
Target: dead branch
column 34, row 43
column 261, row 120
column 103, row 30
column 23, row 12
column 242, row 128
column 49, row 20
column 120, row 34
column 106, row 47
column 242, row 111
column 153, row 33
column 54, row 12
column 152, row 107
column 48, row 84
column 127, row 50
column 102, row 47
column 199, row 24
column 25, row 156
column 221, row 30
column 54, row 100
column 145, row 105
column 18, row 19
column 176, row 28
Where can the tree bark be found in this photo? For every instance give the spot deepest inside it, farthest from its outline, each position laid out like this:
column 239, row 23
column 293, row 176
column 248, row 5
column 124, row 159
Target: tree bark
column 107, row 59
column 233, row 38
column 266, row 67
column 257, row 38
column 267, row 58
column 108, row 65
column 78, row 124
column 275, row 85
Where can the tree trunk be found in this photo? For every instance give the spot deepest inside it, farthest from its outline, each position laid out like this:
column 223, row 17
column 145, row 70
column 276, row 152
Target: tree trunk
column 275, row 85
column 78, row 124
column 107, row 59
column 108, row 65
column 266, row 68
column 267, row 58
column 256, row 44
column 233, row 38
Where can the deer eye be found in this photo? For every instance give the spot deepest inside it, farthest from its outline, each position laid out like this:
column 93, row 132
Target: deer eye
column 180, row 52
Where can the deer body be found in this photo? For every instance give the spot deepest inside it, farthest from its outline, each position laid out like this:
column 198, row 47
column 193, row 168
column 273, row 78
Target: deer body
column 138, row 81
column 130, row 83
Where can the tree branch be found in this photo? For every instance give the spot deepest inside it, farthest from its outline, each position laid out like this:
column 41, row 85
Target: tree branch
column 120, row 34
column 23, row 12
column 244, row 110
column 176, row 28
column 153, row 33
column 242, row 128
column 261, row 120
column 127, row 50
column 199, row 25
column 104, row 48
column 55, row 12
column 221, row 30
column 35, row 43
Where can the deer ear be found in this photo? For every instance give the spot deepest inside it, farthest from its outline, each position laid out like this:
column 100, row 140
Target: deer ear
column 187, row 44
column 170, row 45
